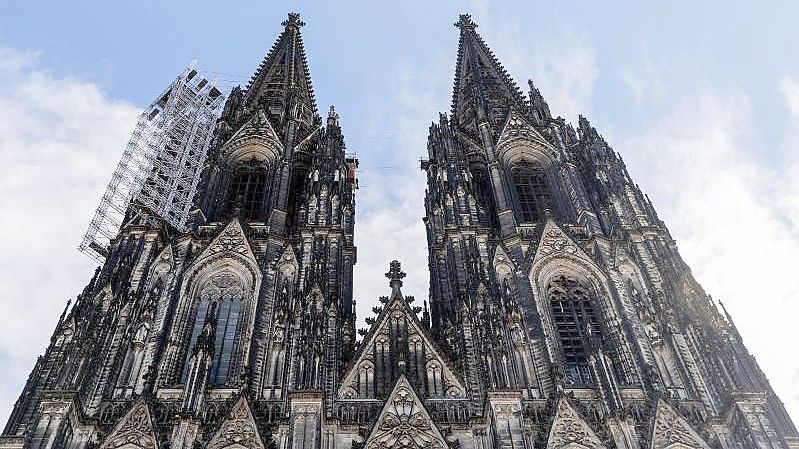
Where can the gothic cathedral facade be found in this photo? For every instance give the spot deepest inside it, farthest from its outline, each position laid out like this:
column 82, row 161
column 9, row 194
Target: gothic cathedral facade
column 560, row 312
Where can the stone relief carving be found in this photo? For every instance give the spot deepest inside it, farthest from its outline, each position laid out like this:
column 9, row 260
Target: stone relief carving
column 404, row 423
column 555, row 241
column 670, row 428
column 238, row 428
column 135, row 428
column 568, row 428
column 231, row 239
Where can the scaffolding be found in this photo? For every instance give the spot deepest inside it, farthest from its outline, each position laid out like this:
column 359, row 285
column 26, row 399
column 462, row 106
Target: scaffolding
column 161, row 164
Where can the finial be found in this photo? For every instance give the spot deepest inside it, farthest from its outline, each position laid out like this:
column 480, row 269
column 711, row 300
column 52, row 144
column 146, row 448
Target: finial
column 332, row 117
column 293, row 21
column 395, row 275
column 465, row 22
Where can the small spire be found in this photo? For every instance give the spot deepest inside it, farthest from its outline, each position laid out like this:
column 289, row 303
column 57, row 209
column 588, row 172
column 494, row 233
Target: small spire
column 395, row 275
column 465, row 22
column 293, row 21
column 64, row 313
column 332, row 117
column 426, row 317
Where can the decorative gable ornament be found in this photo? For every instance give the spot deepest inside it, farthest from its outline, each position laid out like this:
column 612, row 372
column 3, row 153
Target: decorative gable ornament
column 570, row 431
column 555, row 242
column 164, row 262
column 255, row 139
column 288, row 256
column 238, row 429
column 134, row 430
column 404, row 423
column 230, row 240
column 516, row 127
column 503, row 264
column 671, row 431
column 396, row 309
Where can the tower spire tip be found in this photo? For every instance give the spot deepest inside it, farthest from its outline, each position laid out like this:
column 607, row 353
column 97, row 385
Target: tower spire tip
column 293, row 21
column 465, row 22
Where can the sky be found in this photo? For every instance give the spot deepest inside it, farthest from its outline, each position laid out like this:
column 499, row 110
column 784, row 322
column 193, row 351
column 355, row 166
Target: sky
column 701, row 99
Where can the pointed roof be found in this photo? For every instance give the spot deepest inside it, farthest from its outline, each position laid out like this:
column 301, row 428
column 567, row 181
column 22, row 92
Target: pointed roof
column 480, row 79
column 404, row 422
column 517, row 127
column 231, row 240
column 135, row 428
column 670, row 429
column 569, row 430
column 283, row 74
column 554, row 242
column 238, row 428
column 256, row 138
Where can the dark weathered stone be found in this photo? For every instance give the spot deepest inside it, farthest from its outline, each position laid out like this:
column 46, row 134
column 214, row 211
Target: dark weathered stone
column 560, row 313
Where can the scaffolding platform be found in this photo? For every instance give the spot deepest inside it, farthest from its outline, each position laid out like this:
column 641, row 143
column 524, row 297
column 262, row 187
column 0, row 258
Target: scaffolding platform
column 162, row 162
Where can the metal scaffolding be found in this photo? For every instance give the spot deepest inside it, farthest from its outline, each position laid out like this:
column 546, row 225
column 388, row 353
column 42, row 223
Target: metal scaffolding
column 162, row 163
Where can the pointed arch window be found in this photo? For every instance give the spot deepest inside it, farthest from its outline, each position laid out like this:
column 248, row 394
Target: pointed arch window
column 576, row 323
column 249, row 187
column 532, row 193
column 482, row 184
column 223, row 294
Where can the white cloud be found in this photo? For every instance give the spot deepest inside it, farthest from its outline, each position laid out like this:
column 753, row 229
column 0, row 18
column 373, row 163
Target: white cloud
column 715, row 194
column 734, row 217
column 644, row 78
column 59, row 141
column 391, row 199
column 789, row 190
column 559, row 60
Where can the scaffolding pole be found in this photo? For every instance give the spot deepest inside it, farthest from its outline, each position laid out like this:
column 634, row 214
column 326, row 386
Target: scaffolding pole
column 162, row 162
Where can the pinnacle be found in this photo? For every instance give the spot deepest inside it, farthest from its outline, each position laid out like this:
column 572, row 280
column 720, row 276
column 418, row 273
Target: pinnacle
column 395, row 275
column 293, row 21
column 465, row 22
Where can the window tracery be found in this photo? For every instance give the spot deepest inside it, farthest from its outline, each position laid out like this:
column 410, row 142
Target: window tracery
column 224, row 294
column 576, row 324
column 249, row 186
column 532, row 193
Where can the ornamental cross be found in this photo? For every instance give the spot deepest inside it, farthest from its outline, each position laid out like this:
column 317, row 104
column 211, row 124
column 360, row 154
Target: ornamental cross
column 395, row 273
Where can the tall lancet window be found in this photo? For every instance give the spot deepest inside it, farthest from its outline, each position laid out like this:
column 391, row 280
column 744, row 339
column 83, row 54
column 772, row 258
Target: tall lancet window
column 576, row 324
column 249, row 186
column 532, row 194
column 225, row 291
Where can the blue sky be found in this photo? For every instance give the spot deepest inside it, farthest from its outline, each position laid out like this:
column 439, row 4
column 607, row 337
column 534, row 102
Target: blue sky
column 700, row 98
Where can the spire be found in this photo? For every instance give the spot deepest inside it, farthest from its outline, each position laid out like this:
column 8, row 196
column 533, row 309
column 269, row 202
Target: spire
column 538, row 104
column 483, row 89
column 282, row 83
column 332, row 118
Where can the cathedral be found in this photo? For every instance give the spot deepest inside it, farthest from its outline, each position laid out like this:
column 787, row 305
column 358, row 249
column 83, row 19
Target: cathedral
column 560, row 314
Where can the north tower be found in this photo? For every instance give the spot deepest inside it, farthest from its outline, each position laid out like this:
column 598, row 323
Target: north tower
column 179, row 333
